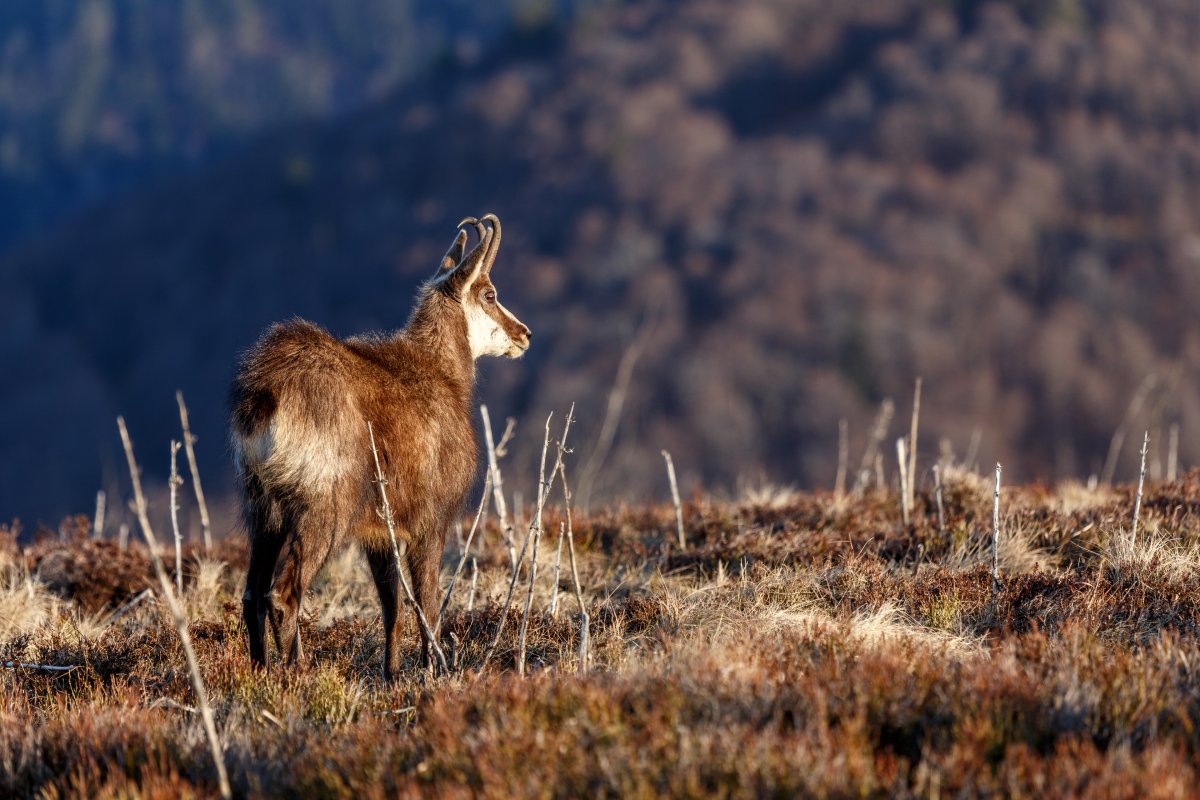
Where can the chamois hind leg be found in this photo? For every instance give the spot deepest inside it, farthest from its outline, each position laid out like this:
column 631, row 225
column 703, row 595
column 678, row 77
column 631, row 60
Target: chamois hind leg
column 264, row 552
column 307, row 550
column 387, row 583
column 263, row 517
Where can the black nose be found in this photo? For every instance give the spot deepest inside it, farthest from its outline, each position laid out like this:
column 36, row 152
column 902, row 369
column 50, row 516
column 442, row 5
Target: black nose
column 528, row 333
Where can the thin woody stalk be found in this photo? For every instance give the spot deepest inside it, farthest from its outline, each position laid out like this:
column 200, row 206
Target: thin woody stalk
column 584, row 618
column 506, row 522
column 177, row 614
column 487, row 484
column 188, row 441
column 534, row 523
column 174, row 482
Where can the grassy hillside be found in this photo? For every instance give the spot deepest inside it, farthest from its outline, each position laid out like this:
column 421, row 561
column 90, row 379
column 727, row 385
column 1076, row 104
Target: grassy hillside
column 798, row 644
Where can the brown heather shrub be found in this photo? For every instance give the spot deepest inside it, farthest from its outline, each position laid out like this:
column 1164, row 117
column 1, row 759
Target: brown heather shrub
column 801, row 646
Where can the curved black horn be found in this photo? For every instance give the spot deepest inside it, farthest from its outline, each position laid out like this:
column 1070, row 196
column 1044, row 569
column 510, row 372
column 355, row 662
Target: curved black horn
column 481, row 248
column 495, row 244
column 480, row 229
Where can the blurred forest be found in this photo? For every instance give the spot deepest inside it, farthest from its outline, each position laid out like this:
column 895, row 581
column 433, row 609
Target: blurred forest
column 772, row 214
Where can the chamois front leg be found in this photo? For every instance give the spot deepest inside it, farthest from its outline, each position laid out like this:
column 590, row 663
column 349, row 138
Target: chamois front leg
column 387, row 584
column 424, row 563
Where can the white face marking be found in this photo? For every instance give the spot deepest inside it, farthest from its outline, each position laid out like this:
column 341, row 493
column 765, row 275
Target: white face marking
column 486, row 335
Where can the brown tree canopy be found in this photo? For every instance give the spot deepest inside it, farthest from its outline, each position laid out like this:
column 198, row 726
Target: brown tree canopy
column 790, row 209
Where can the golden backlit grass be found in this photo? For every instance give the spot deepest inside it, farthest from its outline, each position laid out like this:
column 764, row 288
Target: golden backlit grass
column 798, row 646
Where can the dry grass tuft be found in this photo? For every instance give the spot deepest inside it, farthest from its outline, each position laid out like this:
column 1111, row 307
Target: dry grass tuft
column 26, row 604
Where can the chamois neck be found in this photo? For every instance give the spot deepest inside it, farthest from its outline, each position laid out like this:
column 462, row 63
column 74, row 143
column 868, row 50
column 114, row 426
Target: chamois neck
column 439, row 328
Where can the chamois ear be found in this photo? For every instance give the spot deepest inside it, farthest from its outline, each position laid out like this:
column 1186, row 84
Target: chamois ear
column 455, row 254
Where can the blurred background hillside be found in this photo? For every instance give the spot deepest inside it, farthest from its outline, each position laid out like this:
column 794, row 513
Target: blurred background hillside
column 773, row 213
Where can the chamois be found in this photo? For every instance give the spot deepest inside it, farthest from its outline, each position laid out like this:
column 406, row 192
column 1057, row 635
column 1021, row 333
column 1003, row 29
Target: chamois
column 300, row 405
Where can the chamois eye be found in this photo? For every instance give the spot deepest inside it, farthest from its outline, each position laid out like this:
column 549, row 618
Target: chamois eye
column 489, row 296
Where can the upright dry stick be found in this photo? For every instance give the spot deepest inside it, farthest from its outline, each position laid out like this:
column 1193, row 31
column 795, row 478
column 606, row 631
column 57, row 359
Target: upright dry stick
column 584, row 618
column 174, row 482
column 878, row 433
column 386, row 512
column 188, row 441
column 612, row 414
column 1173, row 453
column 177, row 613
column 98, row 519
column 557, row 569
column 487, row 481
column 911, row 475
column 902, row 461
column 973, row 448
column 996, row 533
column 534, row 522
column 839, row 483
column 506, row 524
column 675, row 499
column 1118, row 438
column 937, row 493
column 474, row 580
column 537, row 537
column 1137, row 506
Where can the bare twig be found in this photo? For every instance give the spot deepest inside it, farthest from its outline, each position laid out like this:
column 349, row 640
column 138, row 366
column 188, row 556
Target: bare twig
column 878, row 433
column 537, row 537
column 271, row 718
column 937, row 493
column 557, row 568
column 1173, row 453
column 839, row 483
column 911, row 474
column 487, row 482
column 120, row 612
column 612, row 415
column 174, row 482
column 996, row 534
column 584, row 618
column 40, row 667
column 510, row 427
column 902, row 461
column 170, row 703
column 675, row 499
column 123, row 536
column 198, row 688
column 474, row 580
column 98, row 518
column 973, row 448
column 1118, row 438
column 1137, row 506
column 188, row 441
column 534, row 523
column 386, row 512
column 506, row 522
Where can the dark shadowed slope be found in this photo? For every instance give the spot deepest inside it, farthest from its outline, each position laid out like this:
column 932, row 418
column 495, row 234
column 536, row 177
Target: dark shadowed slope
column 800, row 209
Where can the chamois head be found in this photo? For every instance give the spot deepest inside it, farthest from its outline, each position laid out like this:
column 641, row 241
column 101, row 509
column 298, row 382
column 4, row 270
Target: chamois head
column 492, row 330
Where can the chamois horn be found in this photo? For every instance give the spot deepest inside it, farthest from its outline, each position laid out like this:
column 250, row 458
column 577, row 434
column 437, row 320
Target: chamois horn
column 481, row 248
column 495, row 243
